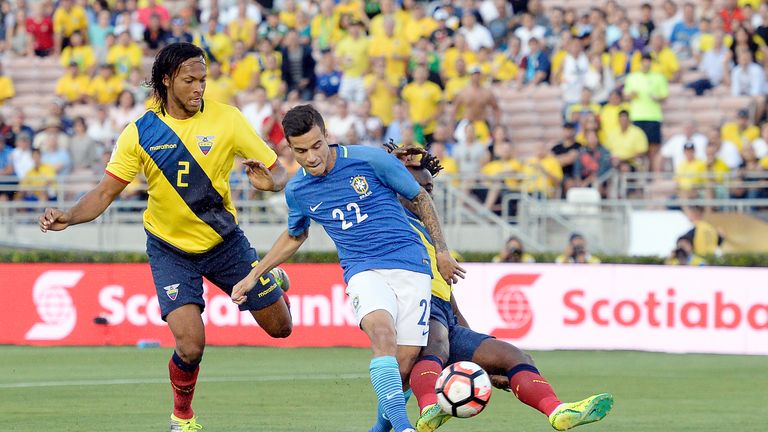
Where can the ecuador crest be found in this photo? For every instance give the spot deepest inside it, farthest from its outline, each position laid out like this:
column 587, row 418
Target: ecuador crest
column 205, row 142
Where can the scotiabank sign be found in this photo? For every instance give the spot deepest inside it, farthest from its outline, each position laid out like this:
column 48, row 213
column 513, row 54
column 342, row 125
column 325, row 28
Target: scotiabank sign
column 651, row 308
column 54, row 304
column 672, row 309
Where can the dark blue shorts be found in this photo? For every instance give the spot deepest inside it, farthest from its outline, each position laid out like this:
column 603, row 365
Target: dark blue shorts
column 463, row 341
column 652, row 130
column 179, row 275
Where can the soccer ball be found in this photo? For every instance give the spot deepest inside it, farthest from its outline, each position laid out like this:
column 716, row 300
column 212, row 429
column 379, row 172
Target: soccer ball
column 463, row 389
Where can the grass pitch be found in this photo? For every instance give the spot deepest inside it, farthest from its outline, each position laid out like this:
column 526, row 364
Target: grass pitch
column 302, row 390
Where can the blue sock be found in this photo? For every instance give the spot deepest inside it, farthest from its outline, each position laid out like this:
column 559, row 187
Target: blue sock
column 382, row 422
column 385, row 377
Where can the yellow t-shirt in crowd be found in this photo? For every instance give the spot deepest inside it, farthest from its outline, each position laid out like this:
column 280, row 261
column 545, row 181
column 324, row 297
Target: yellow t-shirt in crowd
column 503, row 68
column 186, row 163
column 690, row 175
column 243, row 31
column 628, row 144
column 7, row 90
column 125, row 58
column 354, row 55
column 388, row 48
column 82, row 55
column 537, row 173
column 383, row 97
column 220, row 45
column 448, row 64
column 271, row 80
column 105, row 91
column 242, row 71
column 416, row 29
column 730, row 132
column 221, row 90
column 423, row 102
column 71, row 87
column 454, row 86
column 511, row 168
column 68, row 22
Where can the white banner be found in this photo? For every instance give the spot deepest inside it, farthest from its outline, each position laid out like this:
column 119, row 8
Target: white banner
column 648, row 308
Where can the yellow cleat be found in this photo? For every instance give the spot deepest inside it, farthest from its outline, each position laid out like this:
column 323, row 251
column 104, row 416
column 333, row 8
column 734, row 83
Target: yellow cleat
column 184, row 425
column 589, row 410
column 431, row 418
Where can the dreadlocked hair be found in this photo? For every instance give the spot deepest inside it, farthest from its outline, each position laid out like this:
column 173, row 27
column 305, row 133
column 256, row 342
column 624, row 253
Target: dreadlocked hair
column 167, row 63
column 431, row 164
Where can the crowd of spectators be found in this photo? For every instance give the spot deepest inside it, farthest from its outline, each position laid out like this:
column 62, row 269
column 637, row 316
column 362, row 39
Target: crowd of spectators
column 417, row 73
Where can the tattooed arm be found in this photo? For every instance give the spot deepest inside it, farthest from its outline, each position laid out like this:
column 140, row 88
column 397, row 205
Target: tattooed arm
column 446, row 264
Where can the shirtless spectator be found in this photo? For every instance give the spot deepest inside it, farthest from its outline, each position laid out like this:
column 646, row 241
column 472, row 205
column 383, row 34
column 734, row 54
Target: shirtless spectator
column 474, row 100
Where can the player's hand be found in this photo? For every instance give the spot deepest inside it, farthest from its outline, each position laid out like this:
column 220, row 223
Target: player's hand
column 241, row 289
column 449, row 269
column 53, row 220
column 259, row 175
column 406, row 155
column 500, row 382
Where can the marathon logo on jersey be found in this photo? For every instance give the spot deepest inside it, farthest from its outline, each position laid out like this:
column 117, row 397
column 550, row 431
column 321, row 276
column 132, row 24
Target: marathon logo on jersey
column 172, row 291
column 360, row 185
column 205, row 142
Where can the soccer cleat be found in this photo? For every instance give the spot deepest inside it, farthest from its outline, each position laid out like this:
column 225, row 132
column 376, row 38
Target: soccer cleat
column 432, row 418
column 281, row 277
column 184, row 425
column 591, row 409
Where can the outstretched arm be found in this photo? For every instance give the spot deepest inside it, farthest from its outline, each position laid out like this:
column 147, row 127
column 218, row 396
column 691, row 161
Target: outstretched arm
column 285, row 246
column 266, row 179
column 446, row 264
column 88, row 208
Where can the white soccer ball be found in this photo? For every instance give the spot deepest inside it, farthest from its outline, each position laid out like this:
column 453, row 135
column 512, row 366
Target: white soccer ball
column 463, row 389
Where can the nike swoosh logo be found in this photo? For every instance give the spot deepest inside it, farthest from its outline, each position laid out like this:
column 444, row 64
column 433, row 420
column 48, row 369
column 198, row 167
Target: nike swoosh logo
column 391, row 395
column 312, row 209
column 425, row 332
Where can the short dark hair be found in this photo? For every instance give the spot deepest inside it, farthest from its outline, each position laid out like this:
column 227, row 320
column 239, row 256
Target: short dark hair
column 624, row 112
column 300, row 120
column 167, row 62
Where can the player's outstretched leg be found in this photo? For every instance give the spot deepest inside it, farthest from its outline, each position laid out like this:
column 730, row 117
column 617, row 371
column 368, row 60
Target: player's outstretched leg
column 187, row 328
column 384, row 369
column 424, row 377
column 532, row 389
column 382, row 422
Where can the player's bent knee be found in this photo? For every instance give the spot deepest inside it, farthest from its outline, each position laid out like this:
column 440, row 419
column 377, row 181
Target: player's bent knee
column 280, row 330
column 190, row 353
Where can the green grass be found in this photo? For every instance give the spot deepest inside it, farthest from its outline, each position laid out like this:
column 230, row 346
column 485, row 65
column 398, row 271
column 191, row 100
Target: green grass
column 273, row 390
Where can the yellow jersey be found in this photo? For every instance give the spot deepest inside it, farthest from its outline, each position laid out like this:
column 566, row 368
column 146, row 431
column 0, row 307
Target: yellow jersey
column 440, row 287
column 105, row 91
column 242, row 70
column 731, row 132
column 68, row 22
column 71, row 87
column 354, row 55
column 7, row 90
column 389, row 48
column 187, row 165
column 423, row 101
column 125, row 58
column 690, row 175
column 82, row 55
column 383, row 96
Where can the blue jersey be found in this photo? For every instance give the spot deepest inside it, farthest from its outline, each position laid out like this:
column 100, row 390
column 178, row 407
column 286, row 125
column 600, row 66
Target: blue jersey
column 356, row 203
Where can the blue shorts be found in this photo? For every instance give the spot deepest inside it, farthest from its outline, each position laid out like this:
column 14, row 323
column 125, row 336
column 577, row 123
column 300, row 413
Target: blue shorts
column 178, row 275
column 463, row 341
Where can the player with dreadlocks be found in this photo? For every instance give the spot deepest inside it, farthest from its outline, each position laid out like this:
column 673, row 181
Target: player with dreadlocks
column 186, row 148
column 451, row 340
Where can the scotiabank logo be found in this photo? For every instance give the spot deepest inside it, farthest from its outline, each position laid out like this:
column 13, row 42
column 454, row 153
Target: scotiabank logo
column 54, row 305
column 323, row 310
column 512, row 305
column 666, row 311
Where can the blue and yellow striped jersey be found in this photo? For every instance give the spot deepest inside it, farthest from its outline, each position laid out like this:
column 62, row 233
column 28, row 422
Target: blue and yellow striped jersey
column 187, row 165
column 440, row 287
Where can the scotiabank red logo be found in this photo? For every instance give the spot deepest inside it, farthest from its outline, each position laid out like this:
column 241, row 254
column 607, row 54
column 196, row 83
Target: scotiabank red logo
column 659, row 310
column 512, row 305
